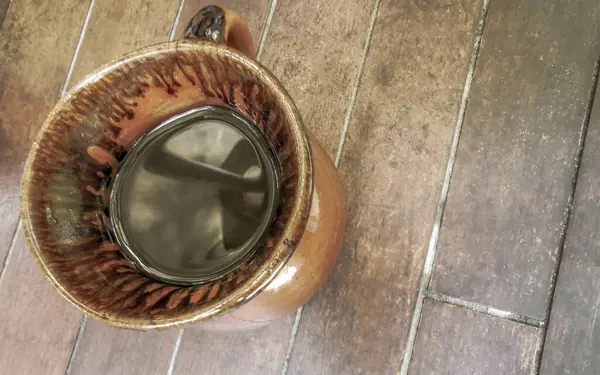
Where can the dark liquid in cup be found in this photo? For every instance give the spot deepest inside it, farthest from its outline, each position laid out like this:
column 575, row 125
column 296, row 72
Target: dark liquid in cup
column 195, row 200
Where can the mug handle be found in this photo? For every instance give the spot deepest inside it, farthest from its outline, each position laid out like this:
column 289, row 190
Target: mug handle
column 222, row 26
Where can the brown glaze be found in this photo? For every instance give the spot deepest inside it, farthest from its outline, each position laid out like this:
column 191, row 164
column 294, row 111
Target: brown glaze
column 64, row 188
column 314, row 257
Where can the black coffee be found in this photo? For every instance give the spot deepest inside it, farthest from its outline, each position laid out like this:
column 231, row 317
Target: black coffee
column 195, row 197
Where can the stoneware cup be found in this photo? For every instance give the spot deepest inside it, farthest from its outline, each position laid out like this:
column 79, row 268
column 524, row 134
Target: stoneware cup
column 66, row 185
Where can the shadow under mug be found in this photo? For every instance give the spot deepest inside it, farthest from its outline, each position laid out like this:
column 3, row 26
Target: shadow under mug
column 90, row 134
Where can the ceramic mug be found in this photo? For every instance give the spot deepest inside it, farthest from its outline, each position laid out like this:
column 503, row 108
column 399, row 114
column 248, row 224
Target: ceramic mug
column 83, row 144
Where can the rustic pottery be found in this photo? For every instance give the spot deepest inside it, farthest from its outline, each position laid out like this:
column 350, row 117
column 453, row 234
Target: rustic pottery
column 66, row 186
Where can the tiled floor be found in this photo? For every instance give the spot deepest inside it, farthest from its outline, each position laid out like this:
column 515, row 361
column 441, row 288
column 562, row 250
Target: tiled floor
column 468, row 143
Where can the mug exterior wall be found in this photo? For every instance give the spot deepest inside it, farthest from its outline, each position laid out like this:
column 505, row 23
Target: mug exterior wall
column 312, row 260
column 89, row 131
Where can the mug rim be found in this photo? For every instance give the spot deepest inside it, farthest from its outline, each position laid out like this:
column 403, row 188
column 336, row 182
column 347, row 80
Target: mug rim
column 283, row 249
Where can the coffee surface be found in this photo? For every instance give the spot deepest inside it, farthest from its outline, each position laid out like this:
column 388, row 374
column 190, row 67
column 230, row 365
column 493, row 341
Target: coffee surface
column 193, row 201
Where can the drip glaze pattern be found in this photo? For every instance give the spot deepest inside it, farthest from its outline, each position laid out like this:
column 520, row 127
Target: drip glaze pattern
column 67, row 180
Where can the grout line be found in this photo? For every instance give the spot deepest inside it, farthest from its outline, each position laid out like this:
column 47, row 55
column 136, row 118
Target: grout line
column 356, row 85
column 76, row 344
column 177, row 19
column 62, row 91
column 260, row 48
column 537, row 355
column 259, row 52
column 567, row 214
column 288, row 353
column 484, row 309
column 10, row 2
column 175, row 352
column 10, row 250
column 432, row 248
column 88, row 15
column 346, row 124
column 265, row 32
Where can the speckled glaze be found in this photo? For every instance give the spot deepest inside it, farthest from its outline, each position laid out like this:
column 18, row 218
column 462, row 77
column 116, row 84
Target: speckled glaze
column 65, row 187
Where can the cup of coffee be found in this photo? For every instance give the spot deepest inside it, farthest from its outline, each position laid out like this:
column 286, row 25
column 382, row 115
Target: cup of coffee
column 178, row 185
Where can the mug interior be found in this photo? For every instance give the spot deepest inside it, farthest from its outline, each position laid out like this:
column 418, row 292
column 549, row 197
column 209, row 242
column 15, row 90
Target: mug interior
column 66, row 183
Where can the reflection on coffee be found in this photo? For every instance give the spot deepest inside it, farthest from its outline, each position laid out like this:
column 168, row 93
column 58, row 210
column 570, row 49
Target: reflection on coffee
column 195, row 198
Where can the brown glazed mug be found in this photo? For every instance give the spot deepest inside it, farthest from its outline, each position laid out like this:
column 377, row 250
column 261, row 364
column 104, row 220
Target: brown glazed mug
column 75, row 202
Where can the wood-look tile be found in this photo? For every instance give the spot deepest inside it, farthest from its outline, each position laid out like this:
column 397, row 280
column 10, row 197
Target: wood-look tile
column 107, row 350
column 503, row 218
column 38, row 327
column 392, row 167
column 573, row 339
column 314, row 48
column 256, row 351
column 254, row 13
column 453, row 341
column 117, row 27
column 37, row 40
